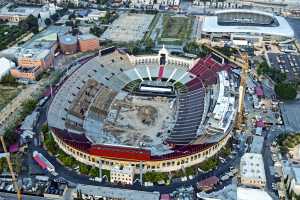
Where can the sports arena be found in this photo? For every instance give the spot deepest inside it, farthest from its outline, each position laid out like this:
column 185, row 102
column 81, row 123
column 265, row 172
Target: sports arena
column 152, row 112
column 243, row 26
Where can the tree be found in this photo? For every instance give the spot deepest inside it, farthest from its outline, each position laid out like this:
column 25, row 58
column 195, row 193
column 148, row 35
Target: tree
column 10, row 137
column 196, row 49
column 50, row 143
column 45, row 128
column 132, row 48
column 102, row 2
column 54, row 17
column 9, row 80
column 286, row 91
column 155, row 177
column 84, row 169
column 30, row 24
column 68, row 161
column 189, row 171
column 209, row 164
column 97, row 31
column 33, row 23
column 275, row 74
column 72, row 16
column 69, row 23
column 28, row 106
column 47, row 21
column 94, row 172
column 149, row 44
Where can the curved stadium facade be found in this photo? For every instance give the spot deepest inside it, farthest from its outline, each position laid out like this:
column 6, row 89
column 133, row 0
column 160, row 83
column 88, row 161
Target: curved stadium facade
column 203, row 100
column 251, row 25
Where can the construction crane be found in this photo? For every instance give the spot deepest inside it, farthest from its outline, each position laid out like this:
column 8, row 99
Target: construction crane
column 243, row 63
column 7, row 156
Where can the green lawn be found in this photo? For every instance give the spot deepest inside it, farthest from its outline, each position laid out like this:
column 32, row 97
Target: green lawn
column 175, row 29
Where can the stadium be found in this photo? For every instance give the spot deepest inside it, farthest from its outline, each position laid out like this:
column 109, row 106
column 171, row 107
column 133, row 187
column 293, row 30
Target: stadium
column 151, row 112
column 247, row 26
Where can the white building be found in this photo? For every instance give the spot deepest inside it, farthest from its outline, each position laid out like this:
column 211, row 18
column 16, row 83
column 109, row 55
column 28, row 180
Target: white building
column 242, row 27
column 252, row 170
column 122, row 175
column 295, row 180
column 5, row 66
column 94, row 15
column 98, row 192
column 250, row 194
column 156, row 4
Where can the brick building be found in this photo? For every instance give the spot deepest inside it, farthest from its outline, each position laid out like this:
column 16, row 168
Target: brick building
column 88, row 42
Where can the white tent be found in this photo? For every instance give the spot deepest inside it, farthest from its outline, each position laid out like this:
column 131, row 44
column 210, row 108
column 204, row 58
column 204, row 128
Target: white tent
column 5, row 66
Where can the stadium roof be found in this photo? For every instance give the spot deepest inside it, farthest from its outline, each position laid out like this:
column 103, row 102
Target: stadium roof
column 210, row 24
column 244, row 11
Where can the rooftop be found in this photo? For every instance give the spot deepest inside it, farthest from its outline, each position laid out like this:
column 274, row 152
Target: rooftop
column 117, row 193
column 68, row 39
column 244, row 11
column 34, row 53
column 257, row 144
column 249, row 194
column 87, row 37
column 210, row 24
column 252, row 166
column 296, row 173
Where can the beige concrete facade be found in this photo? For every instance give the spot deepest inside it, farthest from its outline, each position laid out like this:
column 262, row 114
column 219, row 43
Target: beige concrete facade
column 154, row 165
column 122, row 175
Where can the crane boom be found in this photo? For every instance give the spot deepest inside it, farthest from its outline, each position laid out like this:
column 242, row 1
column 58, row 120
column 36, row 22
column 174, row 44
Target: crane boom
column 244, row 65
column 11, row 169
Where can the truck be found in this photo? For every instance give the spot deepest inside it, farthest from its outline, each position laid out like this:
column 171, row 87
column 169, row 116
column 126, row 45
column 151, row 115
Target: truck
column 43, row 162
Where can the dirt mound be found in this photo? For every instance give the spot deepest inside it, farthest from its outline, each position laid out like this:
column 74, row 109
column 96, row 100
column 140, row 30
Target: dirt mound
column 147, row 114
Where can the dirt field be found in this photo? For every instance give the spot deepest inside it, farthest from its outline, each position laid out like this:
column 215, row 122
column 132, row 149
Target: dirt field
column 142, row 120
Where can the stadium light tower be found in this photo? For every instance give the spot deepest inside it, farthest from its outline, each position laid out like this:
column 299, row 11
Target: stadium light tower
column 7, row 156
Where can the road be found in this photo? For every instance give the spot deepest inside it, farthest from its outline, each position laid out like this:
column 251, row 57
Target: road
column 73, row 177
column 268, row 162
column 9, row 196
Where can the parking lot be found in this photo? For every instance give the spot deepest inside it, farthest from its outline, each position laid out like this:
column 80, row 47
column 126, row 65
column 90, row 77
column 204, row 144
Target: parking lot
column 290, row 113
column 286, row 63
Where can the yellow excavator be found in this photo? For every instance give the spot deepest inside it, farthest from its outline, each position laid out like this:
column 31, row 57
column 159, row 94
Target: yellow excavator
column 243, row 63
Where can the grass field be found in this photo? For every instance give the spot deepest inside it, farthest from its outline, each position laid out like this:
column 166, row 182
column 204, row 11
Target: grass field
column 7, row 94
column 175, row 29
